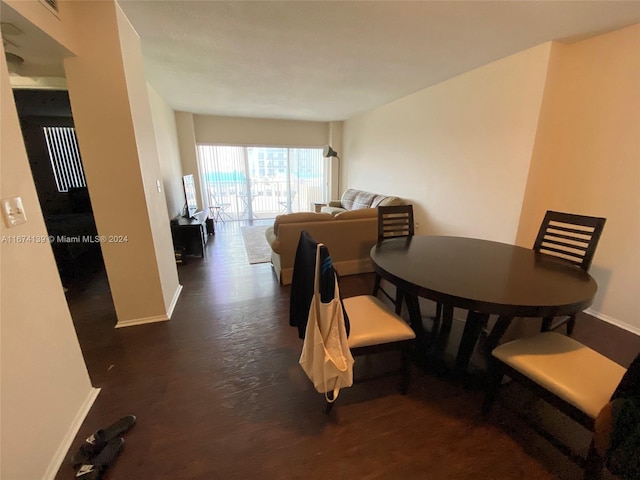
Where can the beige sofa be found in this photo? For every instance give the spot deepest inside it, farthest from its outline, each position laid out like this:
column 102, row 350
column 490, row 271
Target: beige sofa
column 349, row 237
column 348, row 233
column 353, row 199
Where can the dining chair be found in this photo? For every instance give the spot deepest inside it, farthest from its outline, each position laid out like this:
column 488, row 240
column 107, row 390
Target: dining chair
column 393, row 222
column 553, row 366
column 570, row 238
column 371, row 327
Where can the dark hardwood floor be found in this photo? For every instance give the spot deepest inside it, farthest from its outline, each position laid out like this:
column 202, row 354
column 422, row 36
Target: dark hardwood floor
column 219, row 394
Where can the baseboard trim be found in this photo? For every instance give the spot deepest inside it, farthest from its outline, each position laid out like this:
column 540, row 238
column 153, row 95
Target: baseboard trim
column 613, row 321
column 600, row 316
column 155, row 318
column 61, row 453
column 142, row 321
column 174, row 301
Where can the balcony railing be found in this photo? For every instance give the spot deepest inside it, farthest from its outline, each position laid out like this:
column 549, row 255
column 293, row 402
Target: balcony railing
column 268, row 198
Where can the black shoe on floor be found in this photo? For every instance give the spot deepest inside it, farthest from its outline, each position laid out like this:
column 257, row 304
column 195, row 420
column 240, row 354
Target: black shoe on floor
column 101, row 462
column 93, row 445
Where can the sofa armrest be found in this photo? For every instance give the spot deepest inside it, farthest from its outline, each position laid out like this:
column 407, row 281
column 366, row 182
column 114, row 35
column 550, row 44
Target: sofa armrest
column 387, row 201
column 272, row 239
column 333, row 211
column 334, row 203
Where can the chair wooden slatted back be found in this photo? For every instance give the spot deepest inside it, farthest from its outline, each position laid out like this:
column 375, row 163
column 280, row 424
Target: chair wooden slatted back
column 573, row 238
column 395, row 221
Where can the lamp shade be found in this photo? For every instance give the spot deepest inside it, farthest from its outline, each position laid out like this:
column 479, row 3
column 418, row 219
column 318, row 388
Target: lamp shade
column 329, row 152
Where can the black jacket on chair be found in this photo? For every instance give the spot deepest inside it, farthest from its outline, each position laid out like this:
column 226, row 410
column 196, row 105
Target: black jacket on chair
column 623, row 454
column 303, row 282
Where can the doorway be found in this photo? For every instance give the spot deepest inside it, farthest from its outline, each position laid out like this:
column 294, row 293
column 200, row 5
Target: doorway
column 49, row 137
column 252, row 182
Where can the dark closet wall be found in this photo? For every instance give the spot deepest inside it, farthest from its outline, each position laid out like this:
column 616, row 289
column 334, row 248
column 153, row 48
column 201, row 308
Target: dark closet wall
column 37, row 109
column 65, row 213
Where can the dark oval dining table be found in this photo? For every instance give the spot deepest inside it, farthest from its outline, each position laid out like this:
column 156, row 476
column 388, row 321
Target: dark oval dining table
column 484, row 277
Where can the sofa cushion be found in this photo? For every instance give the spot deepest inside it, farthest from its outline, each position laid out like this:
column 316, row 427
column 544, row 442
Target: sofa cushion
column 356, row 199
column 353, row 199
column 353, row 214
column 300, row 217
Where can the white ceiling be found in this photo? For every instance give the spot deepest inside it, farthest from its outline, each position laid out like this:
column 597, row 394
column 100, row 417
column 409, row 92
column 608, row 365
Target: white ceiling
column 330, row 60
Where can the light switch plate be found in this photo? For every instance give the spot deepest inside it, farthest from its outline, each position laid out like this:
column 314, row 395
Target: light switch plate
column 13, row 212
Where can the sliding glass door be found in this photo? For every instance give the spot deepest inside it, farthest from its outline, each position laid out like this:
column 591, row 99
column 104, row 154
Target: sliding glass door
column 261, row 182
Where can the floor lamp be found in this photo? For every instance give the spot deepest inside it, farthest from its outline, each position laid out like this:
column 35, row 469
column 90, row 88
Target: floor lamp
column 329, row 152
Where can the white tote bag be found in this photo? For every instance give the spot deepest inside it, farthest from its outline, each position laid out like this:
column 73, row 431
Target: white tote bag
column 326, row 358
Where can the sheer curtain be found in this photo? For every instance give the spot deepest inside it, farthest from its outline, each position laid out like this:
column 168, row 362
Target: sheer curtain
column 223, row 177
column 62, row 146
column 262, row 182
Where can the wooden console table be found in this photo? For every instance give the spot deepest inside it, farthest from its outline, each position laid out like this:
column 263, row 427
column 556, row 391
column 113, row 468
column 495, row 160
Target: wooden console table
column 190, row 234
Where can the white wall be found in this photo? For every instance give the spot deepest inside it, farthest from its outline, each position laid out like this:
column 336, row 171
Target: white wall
column 188, row 152
column 58, row 27
column 108, row 94
column 459, row 151
column 587, row 161
column 164, row 122
column 46, row 390
column 146, row 142
column 219, row 130
column 485, row 154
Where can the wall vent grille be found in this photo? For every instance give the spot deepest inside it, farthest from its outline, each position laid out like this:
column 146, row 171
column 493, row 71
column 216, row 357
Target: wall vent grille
column 52, row 3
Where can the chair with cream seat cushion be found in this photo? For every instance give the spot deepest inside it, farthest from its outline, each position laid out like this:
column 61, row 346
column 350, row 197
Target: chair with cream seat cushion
column 376, row 329
column 567, row 374
column 372, row 328
column 373, row 324
column 558, row 364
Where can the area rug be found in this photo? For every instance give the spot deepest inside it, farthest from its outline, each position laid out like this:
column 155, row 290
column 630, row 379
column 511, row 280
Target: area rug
column 258, row 250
